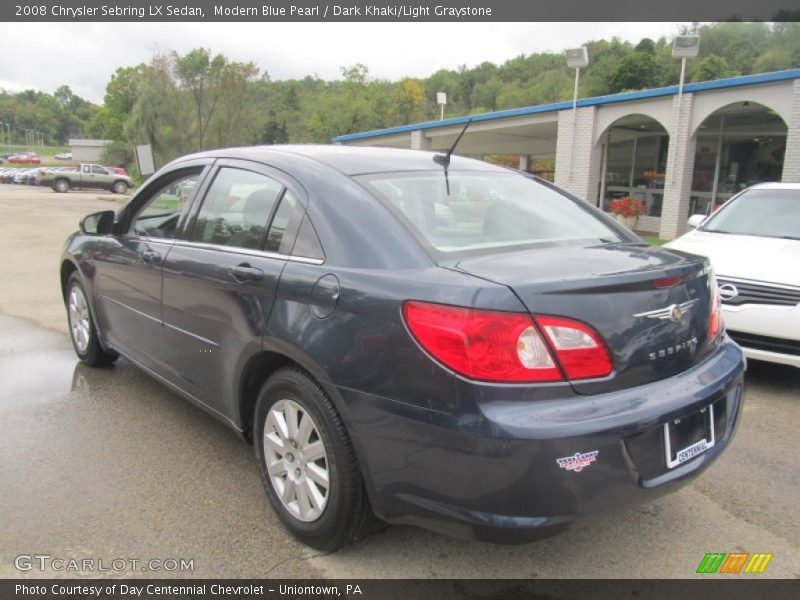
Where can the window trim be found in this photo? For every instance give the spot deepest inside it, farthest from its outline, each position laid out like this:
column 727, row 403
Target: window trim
column 248, row 252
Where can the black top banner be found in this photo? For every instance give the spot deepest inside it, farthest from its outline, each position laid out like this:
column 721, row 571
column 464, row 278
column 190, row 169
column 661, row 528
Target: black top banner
column 383, row 10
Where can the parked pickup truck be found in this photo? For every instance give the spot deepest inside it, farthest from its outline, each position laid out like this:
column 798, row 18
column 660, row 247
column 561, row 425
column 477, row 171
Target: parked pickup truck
column 85, row 176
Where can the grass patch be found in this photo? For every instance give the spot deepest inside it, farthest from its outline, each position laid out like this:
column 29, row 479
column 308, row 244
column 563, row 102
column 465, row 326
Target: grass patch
column 46, row 151
column 654, row 241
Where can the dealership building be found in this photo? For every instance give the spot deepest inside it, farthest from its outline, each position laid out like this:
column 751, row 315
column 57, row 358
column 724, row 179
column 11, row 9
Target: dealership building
column 681, row 152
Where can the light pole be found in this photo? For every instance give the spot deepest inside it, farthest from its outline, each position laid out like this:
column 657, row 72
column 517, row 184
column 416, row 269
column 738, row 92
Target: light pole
column 684, row 47
column 3, row 134
column 577, row 58
column 441, row 100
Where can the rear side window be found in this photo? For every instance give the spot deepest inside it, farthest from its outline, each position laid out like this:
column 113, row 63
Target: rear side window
column 236, row 209
column 289, row 211
column 476, row 210
column 307, row 244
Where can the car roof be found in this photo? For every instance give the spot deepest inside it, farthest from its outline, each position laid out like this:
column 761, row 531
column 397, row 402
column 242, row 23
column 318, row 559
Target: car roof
column 354, row 160
column 776, row 185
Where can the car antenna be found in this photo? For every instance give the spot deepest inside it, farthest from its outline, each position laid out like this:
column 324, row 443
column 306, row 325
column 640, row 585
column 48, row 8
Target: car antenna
column 444, row 159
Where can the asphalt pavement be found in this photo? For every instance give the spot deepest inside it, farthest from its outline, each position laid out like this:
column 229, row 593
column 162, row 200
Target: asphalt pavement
column 107, row 464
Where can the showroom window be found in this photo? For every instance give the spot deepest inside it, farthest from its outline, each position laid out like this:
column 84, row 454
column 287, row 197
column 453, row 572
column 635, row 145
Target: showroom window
column 635, row 162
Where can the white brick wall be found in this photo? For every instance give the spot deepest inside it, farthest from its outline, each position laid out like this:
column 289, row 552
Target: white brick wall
column 578, row 165
column 680, row 169
column 791, row 159
column 419, row 141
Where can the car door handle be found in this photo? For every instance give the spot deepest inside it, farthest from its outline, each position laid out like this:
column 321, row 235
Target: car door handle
column 150, row 256
column 246, row 273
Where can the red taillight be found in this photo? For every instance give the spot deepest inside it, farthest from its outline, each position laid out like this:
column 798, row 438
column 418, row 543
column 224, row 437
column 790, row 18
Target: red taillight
column 715, row 316
column 666, row 282
column 506, row 347
column 579, row 349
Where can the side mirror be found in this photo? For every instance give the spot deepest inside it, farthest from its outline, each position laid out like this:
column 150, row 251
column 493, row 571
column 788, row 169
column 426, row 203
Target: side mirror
column 695, row 221
column 99, row 223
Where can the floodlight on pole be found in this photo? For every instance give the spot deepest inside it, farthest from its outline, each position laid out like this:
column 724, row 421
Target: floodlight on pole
column 683, row 47
column 441, row 100
column 577, row 58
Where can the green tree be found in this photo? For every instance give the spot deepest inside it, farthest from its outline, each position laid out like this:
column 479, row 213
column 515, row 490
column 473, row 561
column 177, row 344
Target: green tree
column 239, row 118
column 200, row 75
column 353, row 104
column 409, row 101
column 712, row 67
column 636, row 71
column 122, row 92
column 159, row 116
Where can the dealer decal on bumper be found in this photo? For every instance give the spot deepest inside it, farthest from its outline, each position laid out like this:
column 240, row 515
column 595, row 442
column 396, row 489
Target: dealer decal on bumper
column 578, row 462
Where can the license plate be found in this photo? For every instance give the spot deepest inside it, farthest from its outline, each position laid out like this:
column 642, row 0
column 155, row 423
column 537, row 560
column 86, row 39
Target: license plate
column 688, row 437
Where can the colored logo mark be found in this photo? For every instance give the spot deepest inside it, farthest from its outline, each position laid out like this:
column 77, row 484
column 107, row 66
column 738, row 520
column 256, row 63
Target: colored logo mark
column 578, row 462
column 735, row 562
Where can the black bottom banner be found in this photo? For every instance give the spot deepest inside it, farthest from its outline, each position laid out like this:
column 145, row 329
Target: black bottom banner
column 400, row 589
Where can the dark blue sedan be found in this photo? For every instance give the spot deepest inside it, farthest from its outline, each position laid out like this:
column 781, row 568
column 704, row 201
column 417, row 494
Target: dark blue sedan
column 412, row 338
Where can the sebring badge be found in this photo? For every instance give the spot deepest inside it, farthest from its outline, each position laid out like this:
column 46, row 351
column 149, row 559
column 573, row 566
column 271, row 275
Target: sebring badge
column 578, row 462
column 673, row 312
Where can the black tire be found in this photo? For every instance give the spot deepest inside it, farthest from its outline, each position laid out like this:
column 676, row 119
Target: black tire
column 85, row 343
column 61, row 186
column 120, row 187
column 347, row 514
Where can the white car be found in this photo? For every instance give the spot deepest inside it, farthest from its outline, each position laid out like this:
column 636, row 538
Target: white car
column 753, row 242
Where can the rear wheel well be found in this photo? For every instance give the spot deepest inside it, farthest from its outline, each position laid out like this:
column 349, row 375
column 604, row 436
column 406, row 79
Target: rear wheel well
column 257, row 371
column 67, row 268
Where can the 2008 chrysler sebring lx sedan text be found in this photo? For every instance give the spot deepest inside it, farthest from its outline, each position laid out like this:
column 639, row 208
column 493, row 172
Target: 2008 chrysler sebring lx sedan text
column 436, row 342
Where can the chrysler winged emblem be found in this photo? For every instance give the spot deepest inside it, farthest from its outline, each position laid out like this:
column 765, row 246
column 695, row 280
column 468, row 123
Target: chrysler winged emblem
column 673, row 312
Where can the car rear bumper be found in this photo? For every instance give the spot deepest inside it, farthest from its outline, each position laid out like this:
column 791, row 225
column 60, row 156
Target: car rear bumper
column 494, row 474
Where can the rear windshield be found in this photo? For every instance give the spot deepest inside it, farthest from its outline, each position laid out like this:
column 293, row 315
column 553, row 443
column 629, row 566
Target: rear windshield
column 762, row 212
column 477, row 210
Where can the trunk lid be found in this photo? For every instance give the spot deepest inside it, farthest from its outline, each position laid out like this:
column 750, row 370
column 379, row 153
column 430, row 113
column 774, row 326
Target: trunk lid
column 615, row 288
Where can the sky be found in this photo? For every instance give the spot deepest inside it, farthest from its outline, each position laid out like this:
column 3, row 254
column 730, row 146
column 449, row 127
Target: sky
column 84, row 55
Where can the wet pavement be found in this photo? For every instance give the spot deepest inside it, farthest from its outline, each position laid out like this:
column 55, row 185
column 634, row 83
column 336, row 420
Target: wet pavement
column 107, row 464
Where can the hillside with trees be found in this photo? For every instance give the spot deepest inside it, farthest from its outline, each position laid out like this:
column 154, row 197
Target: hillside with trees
column 199, row 100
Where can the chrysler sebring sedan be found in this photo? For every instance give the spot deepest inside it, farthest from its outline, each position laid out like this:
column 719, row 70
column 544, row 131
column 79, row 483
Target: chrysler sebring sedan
column 407, row 337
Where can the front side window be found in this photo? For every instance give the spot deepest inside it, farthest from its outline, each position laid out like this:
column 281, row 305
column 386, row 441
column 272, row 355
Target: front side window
column 98, row 170
column 475, row 210
column 762, row 212
column 236, row 209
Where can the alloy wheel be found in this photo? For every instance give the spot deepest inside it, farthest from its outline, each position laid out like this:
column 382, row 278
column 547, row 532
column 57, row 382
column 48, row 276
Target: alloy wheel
column 79, row 318
column 296, row 460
